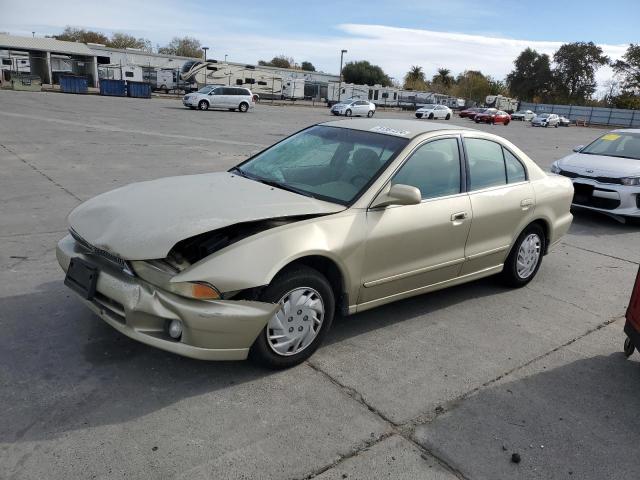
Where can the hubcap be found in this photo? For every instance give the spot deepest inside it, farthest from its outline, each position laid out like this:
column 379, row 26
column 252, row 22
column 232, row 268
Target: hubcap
column 528, row 256
column 297, row 323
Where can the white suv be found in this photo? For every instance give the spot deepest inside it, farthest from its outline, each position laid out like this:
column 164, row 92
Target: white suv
column 230, row 98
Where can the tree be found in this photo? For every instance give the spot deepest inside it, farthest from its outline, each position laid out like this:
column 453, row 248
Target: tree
column 531, row 78
column 183, row 47
column 574, row 71
column 124, row 40
column 472, row 84
column 281, row 61
column 414, row 79
column 362, row 72
column 307, row 66
column 442, row 81
column 497, row 87
column 73, row 34
column 628, row 68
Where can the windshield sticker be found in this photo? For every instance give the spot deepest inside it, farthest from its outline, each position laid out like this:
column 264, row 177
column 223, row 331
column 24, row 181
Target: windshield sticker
column 609, row 137
column 390, row 131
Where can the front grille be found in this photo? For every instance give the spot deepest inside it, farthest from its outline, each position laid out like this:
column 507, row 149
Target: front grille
column 113, row 308
column 583, row 195
column 610, row 180
column 91, row 250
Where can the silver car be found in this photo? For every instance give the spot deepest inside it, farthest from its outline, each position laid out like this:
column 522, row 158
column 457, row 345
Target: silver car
column 354, row 107
column 606, row 173
column 523, row 115
column 546, row 120
column 229, row 98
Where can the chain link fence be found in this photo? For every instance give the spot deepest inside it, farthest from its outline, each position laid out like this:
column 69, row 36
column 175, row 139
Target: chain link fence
column 615, row 117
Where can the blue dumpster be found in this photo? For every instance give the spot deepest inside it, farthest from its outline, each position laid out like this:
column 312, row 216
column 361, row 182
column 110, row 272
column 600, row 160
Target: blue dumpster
column 74, row 84
column 139, row 89
column 114, row 88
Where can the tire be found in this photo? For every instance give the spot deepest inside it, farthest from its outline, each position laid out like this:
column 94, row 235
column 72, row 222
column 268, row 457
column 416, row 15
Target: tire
column 316, row 288
column 418, row 115
column 370, row 113
column 532, row 237
column 448, row 117
column 506, row 122
column 629, row 347
column 243, row 107
column 347, row 113
column 203, row 105
column 476, row 120
column 556, row 125
column 431, row 116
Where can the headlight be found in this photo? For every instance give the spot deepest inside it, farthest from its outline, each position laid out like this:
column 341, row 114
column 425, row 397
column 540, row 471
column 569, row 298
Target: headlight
column 630, row 181
column 555, row 168
column 158, row 274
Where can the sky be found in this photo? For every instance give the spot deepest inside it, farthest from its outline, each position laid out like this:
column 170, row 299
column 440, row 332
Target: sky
column 483, row 35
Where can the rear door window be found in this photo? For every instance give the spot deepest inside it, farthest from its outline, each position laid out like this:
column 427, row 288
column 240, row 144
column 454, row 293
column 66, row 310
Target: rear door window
column 486, row 163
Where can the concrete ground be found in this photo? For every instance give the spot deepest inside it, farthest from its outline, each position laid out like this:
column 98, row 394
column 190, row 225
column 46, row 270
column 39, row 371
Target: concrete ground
column 442, row 386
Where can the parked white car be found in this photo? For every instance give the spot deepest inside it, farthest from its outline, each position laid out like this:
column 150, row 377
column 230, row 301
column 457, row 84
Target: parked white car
column 354, row 107
column 523, row 115
column 432, row 111
column 230, row 98
column 606, row 173
column 546, row 120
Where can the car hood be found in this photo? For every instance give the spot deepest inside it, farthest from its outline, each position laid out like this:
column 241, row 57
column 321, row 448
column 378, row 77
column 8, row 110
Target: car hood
column 145, row 220
column 600, row 165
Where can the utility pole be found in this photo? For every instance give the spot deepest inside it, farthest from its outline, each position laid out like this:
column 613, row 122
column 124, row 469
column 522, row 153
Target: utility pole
column 204, row 49
column 342, row 52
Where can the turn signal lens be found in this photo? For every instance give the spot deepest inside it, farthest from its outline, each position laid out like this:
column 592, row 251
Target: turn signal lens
column 204, row 291
column 198, row 290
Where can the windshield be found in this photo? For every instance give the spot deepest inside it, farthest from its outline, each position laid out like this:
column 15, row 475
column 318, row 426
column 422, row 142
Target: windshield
column 543, row 115
column 615, row 144
column 207, row 89
column 428, row 105
column 329, row 163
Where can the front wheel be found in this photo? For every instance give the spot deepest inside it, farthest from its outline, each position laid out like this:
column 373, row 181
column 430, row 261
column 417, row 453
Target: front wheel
column 506, row 122
column 370, row 113
column 296, row 330
column 525, row 257
column 556, row 125
column 629, row 347
column 203, row 105
column 347, row 113
column 431, row 116
column 243, row 107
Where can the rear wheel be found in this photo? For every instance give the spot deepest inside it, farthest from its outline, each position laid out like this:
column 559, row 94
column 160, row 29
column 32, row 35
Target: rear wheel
column 203, row 105
column 448, row 117
column 525, row 257
column 297, row 329
column 243, row 107
column 370, row 113
column 629, row 347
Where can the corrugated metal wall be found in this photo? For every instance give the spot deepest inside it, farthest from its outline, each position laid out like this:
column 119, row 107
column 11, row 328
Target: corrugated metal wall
column 615, row 117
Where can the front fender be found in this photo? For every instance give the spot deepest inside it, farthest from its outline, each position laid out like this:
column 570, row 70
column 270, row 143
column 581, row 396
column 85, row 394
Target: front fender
column 254, row 261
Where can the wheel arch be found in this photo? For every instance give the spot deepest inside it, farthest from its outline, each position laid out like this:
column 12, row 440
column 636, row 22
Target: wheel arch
column 331, row 270
column 546, row 229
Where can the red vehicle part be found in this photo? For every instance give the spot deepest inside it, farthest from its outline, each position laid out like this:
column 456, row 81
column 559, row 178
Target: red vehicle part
column 632, row 325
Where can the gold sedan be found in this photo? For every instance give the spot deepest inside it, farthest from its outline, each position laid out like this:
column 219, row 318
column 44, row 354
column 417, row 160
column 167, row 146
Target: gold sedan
column 340, row 217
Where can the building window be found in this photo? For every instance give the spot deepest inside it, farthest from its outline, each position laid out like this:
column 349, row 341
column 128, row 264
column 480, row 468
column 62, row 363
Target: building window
column 128, row 74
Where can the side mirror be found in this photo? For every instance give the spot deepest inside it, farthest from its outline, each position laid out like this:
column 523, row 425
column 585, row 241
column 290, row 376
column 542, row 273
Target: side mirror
column 578, row 148
column 398, row 194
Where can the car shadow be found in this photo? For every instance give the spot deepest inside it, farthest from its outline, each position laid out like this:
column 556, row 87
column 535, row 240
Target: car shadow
column 587, row 222
column 75, row 370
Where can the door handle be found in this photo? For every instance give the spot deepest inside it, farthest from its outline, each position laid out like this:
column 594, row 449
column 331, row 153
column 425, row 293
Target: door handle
column 458, row 216
column 526, row 203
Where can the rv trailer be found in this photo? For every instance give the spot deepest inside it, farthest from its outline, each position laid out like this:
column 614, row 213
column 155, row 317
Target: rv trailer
column 500, row 102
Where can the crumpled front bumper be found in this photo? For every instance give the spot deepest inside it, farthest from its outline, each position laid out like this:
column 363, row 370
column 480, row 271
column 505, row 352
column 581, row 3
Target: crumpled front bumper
column 212, row 330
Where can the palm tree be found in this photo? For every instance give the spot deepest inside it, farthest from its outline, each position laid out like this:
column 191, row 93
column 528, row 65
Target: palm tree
column 414, row 79
column 443, row 77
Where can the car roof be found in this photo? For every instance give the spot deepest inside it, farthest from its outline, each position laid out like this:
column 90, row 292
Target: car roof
column 396, row 127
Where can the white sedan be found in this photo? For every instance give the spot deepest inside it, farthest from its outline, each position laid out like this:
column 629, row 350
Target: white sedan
column 523, row 115
column 431, row 112
column 606, row 173
column 354, row 107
